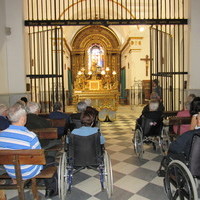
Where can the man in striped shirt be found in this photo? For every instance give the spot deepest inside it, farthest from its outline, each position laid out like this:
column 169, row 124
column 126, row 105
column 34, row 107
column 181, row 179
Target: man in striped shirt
column 17, row 136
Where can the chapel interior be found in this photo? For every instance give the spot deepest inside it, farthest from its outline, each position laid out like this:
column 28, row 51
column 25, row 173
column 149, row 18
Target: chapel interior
column 108, row 51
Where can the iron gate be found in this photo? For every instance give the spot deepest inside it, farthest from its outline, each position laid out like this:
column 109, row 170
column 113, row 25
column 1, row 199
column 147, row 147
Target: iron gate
column 168, row 64
column 45, row 74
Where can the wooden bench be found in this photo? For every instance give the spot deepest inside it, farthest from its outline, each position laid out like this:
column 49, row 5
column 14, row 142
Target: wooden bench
column 46, row 115
column 25, row 157
column 177, row 121
column 172, row 113
column 49, row 134
column 46, row 133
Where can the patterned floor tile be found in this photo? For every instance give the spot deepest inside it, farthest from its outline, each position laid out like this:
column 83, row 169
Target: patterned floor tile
column 134, row 179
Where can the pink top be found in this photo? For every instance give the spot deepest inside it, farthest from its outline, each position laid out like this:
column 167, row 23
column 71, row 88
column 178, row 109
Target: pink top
column 185, row 127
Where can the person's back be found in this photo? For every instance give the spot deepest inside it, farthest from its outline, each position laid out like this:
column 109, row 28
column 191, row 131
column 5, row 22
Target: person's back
column 76, row 117
column 16, row 136
column 87, row 120
column 58, row 114
column 33, row 120
column 4, row 122
column 184, row 113
column 183, row 143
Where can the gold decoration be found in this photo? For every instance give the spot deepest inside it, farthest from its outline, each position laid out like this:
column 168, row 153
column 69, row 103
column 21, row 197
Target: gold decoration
column 101, row 84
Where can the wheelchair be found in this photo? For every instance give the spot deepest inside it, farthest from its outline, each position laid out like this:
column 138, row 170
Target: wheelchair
column 150, row 129
column 182, row 173
column 84, row 152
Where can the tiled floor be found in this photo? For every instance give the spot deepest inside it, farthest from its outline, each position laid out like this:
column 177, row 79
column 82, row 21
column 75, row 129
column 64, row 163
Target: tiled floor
column 134, row 179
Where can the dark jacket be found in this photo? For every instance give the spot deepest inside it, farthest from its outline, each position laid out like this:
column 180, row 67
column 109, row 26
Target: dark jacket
column 4, row 123
column 35, row 122
column 61, row 115
column 183, row 143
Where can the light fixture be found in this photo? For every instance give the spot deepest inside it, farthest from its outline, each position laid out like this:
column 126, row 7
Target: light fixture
column 103, row 72
column 79, row 73
column 107, row 69
column 114, row 73
column 89, row 73
column 141, row 28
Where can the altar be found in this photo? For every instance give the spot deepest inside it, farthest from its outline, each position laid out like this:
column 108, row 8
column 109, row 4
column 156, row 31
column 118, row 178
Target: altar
column 96, row 75
column 102, row 90
column 100, row 99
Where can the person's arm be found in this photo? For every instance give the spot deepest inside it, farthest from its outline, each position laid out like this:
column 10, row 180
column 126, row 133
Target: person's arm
column 34, row 143
column 193, row 122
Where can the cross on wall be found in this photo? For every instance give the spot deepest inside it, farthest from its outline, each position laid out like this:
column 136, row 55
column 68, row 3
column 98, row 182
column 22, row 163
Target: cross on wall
column 146, row 59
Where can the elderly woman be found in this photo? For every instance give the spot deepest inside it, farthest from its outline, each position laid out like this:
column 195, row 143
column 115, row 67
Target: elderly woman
column 87, row 120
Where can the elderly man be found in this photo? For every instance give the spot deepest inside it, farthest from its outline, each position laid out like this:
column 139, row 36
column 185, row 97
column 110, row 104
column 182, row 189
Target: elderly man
column 17, row 136
column 33, row 120
column 4, row 122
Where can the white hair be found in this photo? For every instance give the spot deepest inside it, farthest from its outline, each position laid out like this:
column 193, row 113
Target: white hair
column 88, row 102
column 15, row 112
column 3, row 108
column 153, row 105
column 81, row 106
column 33, row 107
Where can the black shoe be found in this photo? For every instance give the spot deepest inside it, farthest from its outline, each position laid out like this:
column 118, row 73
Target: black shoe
column 50, row 193
column 161, row 173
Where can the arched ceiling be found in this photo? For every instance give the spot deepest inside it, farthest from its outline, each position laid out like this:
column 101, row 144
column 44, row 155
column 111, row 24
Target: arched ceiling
column 122, row 32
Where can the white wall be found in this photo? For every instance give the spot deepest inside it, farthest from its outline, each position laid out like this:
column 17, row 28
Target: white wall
column 137, row 48
column 194, row 66
column 3, row 63
column 15, row 46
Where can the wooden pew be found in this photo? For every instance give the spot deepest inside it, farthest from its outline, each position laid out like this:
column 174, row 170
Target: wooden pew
column 26, row 157
column 46, row 115
column 177, row 121
column 49, row 134
column 58, row 122
column 172, row 113
column 46, row 133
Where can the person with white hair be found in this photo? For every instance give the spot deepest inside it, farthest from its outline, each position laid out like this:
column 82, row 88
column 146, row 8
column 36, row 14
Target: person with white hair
column 76, row 117
column 17, row 136
column 4, row 122
column 33, row 120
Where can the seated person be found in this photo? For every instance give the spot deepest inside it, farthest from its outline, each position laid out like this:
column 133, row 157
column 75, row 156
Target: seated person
column 17, row 136
column 183, row 143
column 151, row 121
column 183, row 113
column 24, row 99
column 190, row 97
column 4, row 122
column 95, row 113
column 59, row 114
column 154, row 97
column 33, row 120
column 153, row 110
column 194, row 110
column 87, row 120
column 76, row 117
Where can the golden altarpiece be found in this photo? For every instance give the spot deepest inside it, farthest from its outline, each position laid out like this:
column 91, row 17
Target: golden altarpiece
column 96, row 67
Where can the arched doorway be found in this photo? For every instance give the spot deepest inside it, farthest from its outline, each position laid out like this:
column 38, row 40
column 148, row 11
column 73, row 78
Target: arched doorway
column 96, row 66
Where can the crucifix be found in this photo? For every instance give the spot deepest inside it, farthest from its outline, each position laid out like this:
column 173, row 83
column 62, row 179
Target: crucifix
column 146, row 59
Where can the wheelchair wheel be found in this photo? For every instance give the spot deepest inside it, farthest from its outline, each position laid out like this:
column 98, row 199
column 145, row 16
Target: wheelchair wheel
column 164, row 142
column 62, row 177
column 138, row 143
column 179, row 182
column 108, row 176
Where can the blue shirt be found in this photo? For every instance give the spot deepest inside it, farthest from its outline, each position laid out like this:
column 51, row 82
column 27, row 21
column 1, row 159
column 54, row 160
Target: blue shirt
column 19, row 137
column 86, row 131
